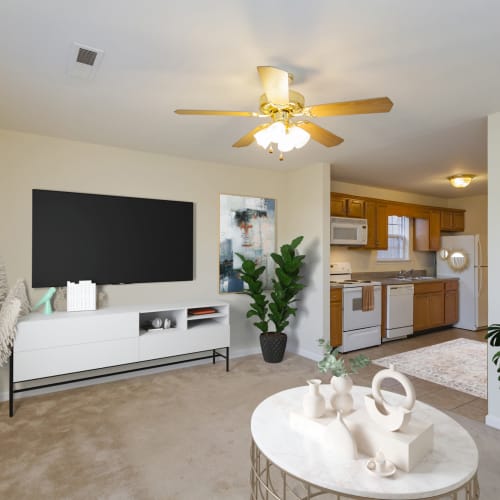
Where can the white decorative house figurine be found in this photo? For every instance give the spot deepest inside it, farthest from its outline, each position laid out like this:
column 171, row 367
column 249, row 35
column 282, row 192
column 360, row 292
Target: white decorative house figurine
column 389, row 417
column 313, row 402
column 81, row 296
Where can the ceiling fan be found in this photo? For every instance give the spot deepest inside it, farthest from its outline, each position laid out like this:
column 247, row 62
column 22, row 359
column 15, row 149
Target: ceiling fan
column 289, row 127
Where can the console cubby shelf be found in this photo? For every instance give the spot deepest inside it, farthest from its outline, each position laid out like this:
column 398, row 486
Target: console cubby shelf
column 70, row 342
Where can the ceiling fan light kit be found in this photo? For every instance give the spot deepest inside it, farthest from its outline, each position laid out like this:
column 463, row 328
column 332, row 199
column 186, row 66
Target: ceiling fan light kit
column 461, row 180
column 283, row 105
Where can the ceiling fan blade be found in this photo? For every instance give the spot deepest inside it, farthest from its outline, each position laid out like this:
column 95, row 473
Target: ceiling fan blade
column 275, row 84
column 247, row 139
column 215, row 112
column 363, row 106
column 320, row 134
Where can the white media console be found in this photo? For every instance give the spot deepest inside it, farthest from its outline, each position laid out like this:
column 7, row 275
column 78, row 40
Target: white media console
column 70, row 342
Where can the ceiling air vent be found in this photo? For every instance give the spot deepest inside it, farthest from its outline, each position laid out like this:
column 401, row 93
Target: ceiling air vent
column 84, row 61
column 86, row 56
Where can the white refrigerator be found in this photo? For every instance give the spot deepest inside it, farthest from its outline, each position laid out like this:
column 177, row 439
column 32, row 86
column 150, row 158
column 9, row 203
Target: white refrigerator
column 473, row 285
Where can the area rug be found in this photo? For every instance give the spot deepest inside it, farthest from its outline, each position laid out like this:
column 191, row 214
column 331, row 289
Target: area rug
column 459, row 364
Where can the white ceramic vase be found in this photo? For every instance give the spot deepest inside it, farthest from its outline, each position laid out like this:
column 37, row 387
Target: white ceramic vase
column 313, row 402
column 339, row 440
column 342, row 400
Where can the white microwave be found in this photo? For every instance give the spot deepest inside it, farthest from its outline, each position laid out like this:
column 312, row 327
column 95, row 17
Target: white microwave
column 348, row 231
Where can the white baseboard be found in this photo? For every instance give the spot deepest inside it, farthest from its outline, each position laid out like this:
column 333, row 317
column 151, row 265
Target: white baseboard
column 492, row 421
column 233, row 354
column 305, row 353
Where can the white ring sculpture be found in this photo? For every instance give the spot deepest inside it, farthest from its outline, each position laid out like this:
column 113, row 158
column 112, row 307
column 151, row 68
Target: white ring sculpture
column 391, row 418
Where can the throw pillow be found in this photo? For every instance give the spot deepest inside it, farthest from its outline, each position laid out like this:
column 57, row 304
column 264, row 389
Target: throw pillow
column 3, row 283
column 19, row 291
column 9, row 314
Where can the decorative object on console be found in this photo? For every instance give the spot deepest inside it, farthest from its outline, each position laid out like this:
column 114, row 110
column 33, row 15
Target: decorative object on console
column 493, row 337
column 202, row 310
column 167, row 323
column 247, row 227
column 10, row 310
column 286, row 285
column 157, row 323
column 45, row 301
column 81, row 296
column 313, row 402
column 60, row 301
column 389, row 417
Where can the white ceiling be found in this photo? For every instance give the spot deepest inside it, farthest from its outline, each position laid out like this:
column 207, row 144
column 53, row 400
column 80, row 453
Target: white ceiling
column 439, row 62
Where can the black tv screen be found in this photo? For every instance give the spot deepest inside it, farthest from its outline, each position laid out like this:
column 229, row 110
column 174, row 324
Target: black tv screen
column 109, row 239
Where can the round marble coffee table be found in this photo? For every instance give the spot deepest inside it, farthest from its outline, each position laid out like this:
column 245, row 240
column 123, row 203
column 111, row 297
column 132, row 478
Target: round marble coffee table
column 286, row 464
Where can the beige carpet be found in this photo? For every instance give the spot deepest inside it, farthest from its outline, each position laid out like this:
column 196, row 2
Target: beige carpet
column 181, row 434
column 459, row 364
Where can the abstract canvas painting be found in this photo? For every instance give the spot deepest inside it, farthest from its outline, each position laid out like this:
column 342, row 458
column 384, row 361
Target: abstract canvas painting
column 247, row 226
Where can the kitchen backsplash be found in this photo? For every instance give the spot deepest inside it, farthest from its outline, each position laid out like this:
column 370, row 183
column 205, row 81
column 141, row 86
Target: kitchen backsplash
column 365, row 261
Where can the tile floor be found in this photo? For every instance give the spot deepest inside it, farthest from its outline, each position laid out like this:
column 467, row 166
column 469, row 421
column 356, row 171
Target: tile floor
column 436, row 395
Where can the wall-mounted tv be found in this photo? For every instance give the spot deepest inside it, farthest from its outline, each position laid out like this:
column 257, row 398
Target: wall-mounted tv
column 110, row 239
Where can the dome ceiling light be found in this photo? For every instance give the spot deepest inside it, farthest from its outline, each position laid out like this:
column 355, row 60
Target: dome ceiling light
column 461, row 180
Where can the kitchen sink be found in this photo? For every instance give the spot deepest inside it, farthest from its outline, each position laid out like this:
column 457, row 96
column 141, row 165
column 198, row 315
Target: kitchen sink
column 414, row 278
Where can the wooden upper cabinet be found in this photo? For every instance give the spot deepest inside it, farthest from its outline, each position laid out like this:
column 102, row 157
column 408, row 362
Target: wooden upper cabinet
column 427, row 231
column 428, row 221
column 376, row 216
column 343, row 206
column 452, row 220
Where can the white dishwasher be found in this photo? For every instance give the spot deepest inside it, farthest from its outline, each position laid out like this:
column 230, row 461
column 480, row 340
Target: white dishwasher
column 399, row 318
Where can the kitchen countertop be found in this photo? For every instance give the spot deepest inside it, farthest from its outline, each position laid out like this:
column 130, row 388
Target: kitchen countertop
column 411, row 281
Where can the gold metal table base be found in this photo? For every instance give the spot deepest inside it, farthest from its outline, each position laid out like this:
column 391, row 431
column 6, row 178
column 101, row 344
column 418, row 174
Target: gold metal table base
column 269, row 482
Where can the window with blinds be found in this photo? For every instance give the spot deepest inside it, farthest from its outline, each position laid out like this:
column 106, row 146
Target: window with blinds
column 398, row 240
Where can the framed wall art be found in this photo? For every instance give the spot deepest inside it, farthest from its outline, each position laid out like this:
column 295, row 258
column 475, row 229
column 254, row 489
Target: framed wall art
column 247, row 226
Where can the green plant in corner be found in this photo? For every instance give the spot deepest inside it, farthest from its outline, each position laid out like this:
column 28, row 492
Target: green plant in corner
column 333, row 363
column 285, row 287
column 493, row 337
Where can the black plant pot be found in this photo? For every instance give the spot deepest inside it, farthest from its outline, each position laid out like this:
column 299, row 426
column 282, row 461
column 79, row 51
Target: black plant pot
column 273, row 346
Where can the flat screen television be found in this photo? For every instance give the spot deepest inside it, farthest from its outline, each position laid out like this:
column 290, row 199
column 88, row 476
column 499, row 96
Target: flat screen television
column 110, row 239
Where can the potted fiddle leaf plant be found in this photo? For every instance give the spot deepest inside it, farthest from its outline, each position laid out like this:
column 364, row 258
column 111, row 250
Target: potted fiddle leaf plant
column 278, row 306
column 493, row 337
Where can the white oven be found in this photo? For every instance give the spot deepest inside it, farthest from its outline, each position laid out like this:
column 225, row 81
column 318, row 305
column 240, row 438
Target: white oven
column 361, row 328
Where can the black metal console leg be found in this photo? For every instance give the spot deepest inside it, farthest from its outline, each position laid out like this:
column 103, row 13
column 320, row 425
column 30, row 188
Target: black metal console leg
column 227, row 359
column 213, row 356
column 11, row 385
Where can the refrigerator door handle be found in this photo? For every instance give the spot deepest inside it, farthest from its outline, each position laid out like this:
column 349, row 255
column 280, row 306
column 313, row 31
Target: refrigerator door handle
column 480, row 276
column 479, row 253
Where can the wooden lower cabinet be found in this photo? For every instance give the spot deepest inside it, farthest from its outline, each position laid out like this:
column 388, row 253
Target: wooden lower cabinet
column 336, row 316
column 435, row 304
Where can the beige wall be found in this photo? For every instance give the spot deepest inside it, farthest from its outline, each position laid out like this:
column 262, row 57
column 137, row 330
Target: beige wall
column 31, row 161
column 493, row 417
column 307, row 207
